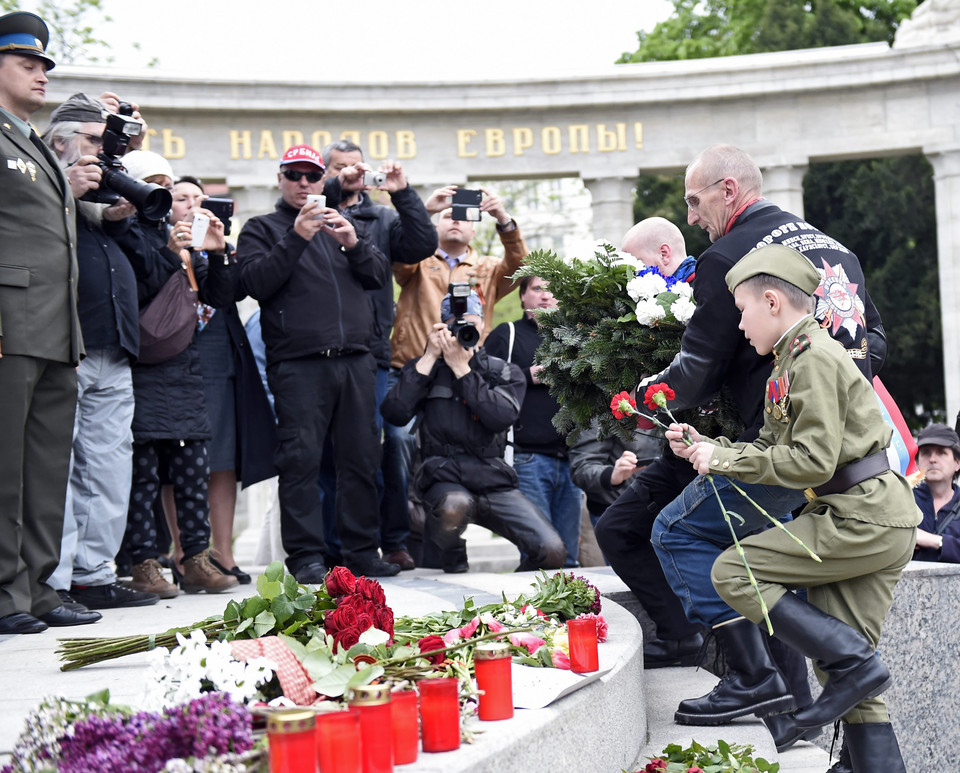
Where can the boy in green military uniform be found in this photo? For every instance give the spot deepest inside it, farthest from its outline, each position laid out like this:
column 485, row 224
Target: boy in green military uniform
column 823, row 431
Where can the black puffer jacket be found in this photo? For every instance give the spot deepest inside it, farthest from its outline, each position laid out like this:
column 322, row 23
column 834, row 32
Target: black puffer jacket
column 311, row 294
column 463, row 422
column 405, row 235
column 169, row 395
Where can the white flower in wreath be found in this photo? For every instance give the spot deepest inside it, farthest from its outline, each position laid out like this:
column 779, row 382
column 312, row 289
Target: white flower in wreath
column 646, row 287
column 649, row 311
column 682, row 309
column 683, row 289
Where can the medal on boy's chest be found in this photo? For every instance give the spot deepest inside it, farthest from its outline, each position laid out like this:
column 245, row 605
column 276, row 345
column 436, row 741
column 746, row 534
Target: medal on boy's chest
column 778, row 395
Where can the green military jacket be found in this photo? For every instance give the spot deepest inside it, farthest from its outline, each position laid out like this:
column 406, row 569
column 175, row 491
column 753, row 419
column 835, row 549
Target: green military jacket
column 820, row 414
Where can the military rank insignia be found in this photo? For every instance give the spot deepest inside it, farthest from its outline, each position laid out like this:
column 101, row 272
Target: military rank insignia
column 799, row 344
column 778, row 393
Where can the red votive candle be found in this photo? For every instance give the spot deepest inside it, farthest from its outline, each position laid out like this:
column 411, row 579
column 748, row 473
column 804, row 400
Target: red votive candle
column 292, row 743
column 406, row 726
column 440, row 714
column 491, row 661
column 372, row 704
column 338, row 742
column 582, row 635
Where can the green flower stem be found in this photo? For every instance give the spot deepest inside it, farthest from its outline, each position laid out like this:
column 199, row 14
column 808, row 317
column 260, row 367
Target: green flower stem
column 777, row 523
column 457, row 646
column 743, row 557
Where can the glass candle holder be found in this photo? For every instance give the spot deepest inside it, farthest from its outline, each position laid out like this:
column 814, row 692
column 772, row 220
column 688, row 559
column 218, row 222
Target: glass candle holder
column 491, row 662
column 440, row 714
column 406, row 726
column 372, row 703
column 338, row 742
column 582, row 635
column 292, row 743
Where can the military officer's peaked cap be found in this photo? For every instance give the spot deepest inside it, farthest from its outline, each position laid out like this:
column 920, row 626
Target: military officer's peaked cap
column 779, row 261
column 22, row 32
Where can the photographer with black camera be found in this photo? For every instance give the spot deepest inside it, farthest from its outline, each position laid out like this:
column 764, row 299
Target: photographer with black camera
column 99, row 487
column 465, row 400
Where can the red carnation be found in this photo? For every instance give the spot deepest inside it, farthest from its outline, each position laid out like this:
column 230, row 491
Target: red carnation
column 340, row 581
column 619, row 405
column 370, row 589
column 650, row 397
column 430, row 643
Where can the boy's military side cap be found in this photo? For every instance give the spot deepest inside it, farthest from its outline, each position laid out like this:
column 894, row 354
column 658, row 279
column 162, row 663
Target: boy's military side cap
column 22, row 32
column 779, row 261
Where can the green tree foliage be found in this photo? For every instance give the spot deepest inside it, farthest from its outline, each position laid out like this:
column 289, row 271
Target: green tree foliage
column 882, row 209
column 705, row 28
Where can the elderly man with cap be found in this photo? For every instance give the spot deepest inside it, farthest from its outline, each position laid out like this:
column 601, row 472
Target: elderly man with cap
column 465, row 399
column 938, row 455
column 822, row 431
column 40, row 341
column 309, row 269
column 99, row 488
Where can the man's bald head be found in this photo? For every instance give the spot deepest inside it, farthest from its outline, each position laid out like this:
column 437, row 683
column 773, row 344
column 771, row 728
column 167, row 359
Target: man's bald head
column 656, row 241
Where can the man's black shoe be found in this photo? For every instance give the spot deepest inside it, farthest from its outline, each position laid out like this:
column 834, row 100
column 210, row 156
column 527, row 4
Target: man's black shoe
column 61, row 616
column 111, row 596
column 665, row 653
column 374, row 567
column 21, row 622
column 311, row 574
column 69, row 602
column 461, row 567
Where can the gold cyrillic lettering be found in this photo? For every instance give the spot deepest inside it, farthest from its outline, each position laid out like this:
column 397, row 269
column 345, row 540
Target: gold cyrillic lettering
column 494, row 142
column 173, row 146
column 464, row 137
column 608, row 141
column 320, row 139
column 406, row 144
column 352, row 135
column 291, row 137
column 638, row 134
column 378, row 145
column 522, row 139
column 550, row 138
column 268, row 148
column 240, row 145
column 579, row 133
column 146, row 138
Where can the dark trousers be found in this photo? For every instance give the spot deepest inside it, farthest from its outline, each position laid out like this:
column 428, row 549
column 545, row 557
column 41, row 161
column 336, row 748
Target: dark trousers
column 506, row 512
column 315, row 397
column 39, row 399
column 623, row 533
column 185, row 465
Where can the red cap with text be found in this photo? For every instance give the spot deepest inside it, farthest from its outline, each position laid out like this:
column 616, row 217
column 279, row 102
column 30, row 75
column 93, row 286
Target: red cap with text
column 302, row 153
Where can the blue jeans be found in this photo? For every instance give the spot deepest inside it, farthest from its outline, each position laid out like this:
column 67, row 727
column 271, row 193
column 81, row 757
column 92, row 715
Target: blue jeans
column 398, row 448
column 545, row 481
column 691, row 532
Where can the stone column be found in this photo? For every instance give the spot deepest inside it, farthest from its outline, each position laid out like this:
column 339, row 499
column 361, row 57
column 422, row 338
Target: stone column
column 783, row 185
column 612, row 206
column 946, row 183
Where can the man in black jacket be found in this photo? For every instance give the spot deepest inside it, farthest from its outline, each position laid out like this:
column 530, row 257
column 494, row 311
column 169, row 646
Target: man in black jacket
column 308, row 268
column 723, row 195
column 405, row 234
column 465, row 400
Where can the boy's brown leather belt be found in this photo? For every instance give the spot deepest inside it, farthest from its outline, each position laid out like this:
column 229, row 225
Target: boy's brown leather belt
column 854, row 473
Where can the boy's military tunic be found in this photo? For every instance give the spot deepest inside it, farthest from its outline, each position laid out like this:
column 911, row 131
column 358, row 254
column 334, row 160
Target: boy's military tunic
column 821, row 414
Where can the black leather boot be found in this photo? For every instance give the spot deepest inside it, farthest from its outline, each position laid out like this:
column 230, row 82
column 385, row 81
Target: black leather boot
column 752, row 684
column 664, row 653
column 785, row 733
column 843, row 764
column 854, row 671
column 873, row 748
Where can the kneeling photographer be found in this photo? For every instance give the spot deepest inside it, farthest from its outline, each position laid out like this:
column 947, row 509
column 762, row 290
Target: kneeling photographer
column 464, row 400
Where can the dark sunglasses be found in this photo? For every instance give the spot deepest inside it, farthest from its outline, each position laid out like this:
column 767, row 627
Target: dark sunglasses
column 294, row 176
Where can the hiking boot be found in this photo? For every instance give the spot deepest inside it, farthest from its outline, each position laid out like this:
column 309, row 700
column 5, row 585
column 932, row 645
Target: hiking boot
column 111, row 596
column 200, row 575
column 148, row 578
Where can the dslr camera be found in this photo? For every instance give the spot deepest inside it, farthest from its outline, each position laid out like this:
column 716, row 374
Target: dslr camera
column 465, row 332
column 152, row 201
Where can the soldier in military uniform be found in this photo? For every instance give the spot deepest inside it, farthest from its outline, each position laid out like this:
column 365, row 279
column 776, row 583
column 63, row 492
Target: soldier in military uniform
column 823, row 431
column 40, row 343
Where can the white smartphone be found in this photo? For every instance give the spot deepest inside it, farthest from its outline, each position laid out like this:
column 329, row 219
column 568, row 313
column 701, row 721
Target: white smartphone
column 198, row 231
column 321, row 201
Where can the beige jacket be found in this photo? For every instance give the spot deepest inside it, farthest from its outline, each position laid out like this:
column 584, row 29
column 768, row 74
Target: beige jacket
column 423, row 285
